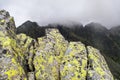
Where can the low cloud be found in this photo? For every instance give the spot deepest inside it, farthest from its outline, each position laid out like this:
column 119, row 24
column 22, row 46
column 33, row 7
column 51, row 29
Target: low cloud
column 106, row 12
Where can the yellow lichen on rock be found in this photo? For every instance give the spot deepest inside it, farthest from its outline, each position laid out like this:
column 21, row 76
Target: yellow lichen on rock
column 15, row 74
column 47, row 58
column 11, row 66
column 74, row 63
column 98, row 69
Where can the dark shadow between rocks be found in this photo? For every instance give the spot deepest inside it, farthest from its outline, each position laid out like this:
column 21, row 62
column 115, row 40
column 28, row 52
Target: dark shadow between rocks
column 93, row 34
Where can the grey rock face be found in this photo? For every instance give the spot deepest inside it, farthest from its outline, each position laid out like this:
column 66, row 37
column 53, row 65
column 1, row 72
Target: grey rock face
column 50, row 57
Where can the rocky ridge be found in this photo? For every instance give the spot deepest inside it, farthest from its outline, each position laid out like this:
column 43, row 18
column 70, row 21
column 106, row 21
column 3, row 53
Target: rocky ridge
column 50, row 57
column 92, row 34
column 98, row 36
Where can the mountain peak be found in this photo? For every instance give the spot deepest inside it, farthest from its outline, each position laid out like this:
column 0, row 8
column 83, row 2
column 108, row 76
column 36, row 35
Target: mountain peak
column 50, row 57
column 31, row 29
column 30, row 24
column 96, row 27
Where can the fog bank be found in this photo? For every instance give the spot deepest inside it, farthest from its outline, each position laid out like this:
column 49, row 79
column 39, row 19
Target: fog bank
column 106, row 12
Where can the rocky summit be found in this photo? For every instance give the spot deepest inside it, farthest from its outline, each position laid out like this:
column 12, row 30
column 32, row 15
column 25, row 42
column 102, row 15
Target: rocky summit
column 48, row 57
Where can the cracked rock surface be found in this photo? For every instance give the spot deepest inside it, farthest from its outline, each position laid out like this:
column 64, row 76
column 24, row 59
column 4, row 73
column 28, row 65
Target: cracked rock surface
column 50, row 57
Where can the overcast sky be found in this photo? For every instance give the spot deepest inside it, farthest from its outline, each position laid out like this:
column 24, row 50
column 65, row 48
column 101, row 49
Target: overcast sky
column 106, row 12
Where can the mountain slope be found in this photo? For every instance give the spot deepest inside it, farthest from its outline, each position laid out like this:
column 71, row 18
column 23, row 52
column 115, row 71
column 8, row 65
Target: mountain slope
column 96, row 35
column 50, row 57
column 31, row 29
column 101, row 38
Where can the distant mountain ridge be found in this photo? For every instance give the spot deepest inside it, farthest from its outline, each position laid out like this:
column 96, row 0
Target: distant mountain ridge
column 48, row 57
column 93, row 34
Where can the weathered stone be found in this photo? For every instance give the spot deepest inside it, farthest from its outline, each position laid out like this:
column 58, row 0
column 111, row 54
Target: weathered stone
column 74, row 62
column 97, row 68
column 11, row 67
column 50, row 57
column 31, row 76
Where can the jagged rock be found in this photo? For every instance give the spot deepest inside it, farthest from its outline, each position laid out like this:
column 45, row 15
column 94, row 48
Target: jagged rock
column 11, row 60
column 97, row 68
column 27, row 45
column 31, row 29
column 50, row 57
column 96, row 35
column 74, row 62
column 31, row 76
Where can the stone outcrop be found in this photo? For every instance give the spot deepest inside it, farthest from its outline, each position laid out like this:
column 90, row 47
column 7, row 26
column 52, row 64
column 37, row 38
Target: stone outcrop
column 98, row 36
column 50, row 57
column 11, row 56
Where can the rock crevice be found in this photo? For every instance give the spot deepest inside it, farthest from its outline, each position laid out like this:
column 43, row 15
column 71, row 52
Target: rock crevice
column 49, row 57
